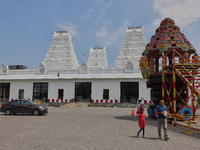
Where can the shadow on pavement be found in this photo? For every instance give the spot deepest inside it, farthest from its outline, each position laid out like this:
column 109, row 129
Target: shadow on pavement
column 12, row 115
column 145, row 138
column 153, row 122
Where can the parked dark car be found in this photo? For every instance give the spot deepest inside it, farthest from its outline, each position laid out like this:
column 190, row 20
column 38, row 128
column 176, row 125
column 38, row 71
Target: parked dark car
column 23, row 106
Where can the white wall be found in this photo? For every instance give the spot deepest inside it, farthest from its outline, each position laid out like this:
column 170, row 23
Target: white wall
column 16, row 85
column 99, row 85
column 69, row 88
column 144, row 92
column 114, row 89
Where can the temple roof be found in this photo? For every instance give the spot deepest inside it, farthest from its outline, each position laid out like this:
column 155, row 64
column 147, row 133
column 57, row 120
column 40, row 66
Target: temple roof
column 167, row 21
column 168, row 36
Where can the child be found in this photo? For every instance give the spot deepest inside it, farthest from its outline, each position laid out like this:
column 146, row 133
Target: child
column 139, row 107
column 141, row 122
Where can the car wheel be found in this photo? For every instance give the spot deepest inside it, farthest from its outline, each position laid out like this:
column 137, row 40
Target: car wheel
column 8, row 112
column 36, row 112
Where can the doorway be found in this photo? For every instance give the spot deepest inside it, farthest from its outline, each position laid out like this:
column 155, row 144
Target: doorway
column 60, row 93
column 83, row 91
column 129, row 92
column 4, row 91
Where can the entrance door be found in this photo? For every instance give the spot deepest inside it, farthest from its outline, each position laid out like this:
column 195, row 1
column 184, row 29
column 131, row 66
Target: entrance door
column 129, row 92
column 4, row 91
column 83, row 91
column 60, row 93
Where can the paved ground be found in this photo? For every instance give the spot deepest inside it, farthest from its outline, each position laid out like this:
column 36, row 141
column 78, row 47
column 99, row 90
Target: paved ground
column 88, row 128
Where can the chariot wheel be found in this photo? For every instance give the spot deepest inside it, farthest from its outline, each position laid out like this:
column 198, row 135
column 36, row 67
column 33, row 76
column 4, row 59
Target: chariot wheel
column 150, row 112
column 186, row 110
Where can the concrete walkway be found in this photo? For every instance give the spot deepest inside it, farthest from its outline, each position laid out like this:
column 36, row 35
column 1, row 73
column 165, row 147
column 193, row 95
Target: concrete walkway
column 88, row 128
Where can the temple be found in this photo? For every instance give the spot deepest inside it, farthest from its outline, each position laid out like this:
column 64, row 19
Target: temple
column 59, row 78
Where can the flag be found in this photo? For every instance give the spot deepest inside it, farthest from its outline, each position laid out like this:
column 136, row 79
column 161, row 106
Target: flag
column 58, row 74
column 83, row 54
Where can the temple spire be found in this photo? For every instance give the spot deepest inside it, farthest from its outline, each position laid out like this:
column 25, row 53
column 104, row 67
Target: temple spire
column 133, row 45
column 61, row 53
column 97, row 58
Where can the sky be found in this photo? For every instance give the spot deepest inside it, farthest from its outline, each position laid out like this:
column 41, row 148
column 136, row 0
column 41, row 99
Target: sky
column 27, row 26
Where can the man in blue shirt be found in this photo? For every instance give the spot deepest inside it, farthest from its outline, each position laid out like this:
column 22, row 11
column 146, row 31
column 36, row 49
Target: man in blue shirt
column 161, row 110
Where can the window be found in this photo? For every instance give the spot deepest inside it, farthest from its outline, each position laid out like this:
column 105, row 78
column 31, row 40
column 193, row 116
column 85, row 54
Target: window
column 105, row 93
column 21, row 93
column 41, row 69
column 25, row 103
column 40, row 90
column 154, row 46
column 60, row 93
column 173, row 45
column 157, row 39
column 15, row 102
column 172, row 37
column 83, row 90
column 95, row 63
column 129, row 92
column 4, row 90
column 96, row 55
column 129, row 67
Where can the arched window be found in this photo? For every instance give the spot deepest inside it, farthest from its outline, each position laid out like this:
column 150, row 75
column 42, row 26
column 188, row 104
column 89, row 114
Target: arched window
column 129, row 67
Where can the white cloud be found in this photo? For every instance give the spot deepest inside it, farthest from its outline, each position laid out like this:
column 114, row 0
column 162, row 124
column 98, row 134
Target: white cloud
column 87, row 15
column 108, row 37
column 103, row 11
column 183, row 12
column 70, row 27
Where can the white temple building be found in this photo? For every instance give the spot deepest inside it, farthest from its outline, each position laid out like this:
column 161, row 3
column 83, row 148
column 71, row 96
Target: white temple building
column 60, row 78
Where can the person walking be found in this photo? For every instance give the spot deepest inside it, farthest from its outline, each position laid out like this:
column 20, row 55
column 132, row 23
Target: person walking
column 161, row 110
column 142, row 122
column 139, row 107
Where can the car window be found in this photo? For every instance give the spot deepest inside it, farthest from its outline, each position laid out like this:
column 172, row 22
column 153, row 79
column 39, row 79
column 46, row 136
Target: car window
column 32, row 103
column 25, row 103
column 15, row 102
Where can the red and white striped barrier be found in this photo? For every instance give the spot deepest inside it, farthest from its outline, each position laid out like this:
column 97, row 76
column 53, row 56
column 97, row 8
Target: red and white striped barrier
column 148, row 102
column 92, row 101
column 52, row 100
column 60, row 100
column 103, row 101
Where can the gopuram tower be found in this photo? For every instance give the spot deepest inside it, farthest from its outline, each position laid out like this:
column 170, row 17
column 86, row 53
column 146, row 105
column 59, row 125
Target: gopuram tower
column 97, row 58
column 61, row 53
column 133, row 45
